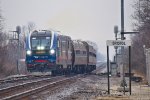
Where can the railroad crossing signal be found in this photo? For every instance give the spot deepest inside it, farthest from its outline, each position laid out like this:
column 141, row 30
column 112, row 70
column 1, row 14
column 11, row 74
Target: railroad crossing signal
column 15, row 36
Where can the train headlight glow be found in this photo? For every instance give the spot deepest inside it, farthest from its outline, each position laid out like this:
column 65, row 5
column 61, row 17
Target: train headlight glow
column 40, row 48
column 29, row 52
column 52, row 51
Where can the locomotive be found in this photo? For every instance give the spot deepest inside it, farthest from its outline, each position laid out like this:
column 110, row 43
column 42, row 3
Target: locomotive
column 49, row 51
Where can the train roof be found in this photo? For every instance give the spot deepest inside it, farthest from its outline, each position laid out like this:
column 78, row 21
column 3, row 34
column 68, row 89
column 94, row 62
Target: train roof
column 41, row 33
column 64, row 36
column 77, row 41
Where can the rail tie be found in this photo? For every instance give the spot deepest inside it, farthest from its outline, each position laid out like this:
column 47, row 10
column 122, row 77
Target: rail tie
column 36, row 90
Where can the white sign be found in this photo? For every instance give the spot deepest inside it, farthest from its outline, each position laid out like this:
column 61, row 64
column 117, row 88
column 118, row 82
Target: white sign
column 118, row 43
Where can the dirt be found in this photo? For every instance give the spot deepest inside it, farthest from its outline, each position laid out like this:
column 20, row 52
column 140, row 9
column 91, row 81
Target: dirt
column 94, row 87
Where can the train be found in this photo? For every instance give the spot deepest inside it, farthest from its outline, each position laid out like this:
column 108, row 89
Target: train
column 49, row 51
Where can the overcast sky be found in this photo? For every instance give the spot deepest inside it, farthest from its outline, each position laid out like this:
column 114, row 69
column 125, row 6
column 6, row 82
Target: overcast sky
column 81, row 19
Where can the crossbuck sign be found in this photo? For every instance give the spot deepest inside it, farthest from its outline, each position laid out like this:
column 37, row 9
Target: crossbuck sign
column 118, row 43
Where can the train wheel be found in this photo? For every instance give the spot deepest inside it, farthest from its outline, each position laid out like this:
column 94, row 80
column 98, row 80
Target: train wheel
column 79, row 70
column 74, row 69
column 83, row 69
column 69, row 69
column 94, row 67
column 53, row 72
column 63, row 71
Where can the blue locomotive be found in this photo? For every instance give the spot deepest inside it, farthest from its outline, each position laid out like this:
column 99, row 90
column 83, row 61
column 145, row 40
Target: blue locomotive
column 49, row 51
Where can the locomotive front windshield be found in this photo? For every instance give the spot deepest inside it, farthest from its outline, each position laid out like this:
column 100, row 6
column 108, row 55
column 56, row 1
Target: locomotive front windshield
column 40, row 43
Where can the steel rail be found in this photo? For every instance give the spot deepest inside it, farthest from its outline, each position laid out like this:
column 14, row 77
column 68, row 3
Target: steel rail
column 38, row 89
column 12, row 88
column 20, row 78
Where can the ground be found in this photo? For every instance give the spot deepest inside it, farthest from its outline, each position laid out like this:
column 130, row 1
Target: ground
column 94, row 87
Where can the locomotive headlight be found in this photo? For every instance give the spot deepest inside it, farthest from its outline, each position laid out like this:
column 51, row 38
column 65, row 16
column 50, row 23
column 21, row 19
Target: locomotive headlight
column 29, row 52
column 40, row 48
column 52, row 51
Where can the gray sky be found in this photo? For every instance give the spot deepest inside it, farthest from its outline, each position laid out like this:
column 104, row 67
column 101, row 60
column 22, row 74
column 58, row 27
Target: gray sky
column 81, row 19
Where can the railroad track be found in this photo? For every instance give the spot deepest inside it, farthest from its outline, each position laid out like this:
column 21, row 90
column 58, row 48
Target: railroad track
column 11, row 79
column 99, row 69
column 24, row 90
column 21, row 78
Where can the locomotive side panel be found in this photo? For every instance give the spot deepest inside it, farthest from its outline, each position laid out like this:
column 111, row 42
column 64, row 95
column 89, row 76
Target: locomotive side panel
column 80, row 61
column 80, row 53
column 92, row 56
column 64, row 51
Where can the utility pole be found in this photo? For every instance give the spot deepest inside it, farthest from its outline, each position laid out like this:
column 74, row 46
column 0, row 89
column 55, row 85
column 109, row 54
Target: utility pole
column 123, row 82
column 122, row 19
column 122, row 48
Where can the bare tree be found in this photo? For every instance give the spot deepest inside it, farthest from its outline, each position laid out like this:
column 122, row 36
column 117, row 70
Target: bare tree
column 9, row 49
column 27, row 29
column 31, row 26
column 3, row 49
column 141, row 18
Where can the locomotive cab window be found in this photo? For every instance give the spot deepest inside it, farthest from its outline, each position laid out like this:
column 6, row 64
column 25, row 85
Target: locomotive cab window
column 40, row 43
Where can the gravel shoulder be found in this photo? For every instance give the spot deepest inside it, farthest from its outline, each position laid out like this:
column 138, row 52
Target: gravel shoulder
column 94, row 87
